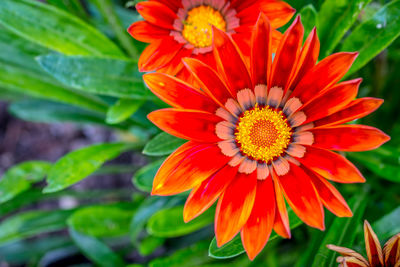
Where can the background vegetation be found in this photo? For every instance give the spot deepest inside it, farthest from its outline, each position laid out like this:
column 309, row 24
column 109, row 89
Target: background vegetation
column 72, row 61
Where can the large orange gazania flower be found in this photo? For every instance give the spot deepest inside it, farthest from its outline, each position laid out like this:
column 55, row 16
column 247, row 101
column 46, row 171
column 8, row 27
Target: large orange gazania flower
column 182, row 28
column 388, row 257
column 261, row 133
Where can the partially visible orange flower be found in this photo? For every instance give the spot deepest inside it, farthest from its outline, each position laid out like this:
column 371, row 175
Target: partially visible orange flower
column 182, row 28
column 389, row 256
column 262, row 132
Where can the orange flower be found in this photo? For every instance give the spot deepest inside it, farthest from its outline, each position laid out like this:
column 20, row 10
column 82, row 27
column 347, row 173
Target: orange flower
column 388, row 257
column 181, row 28
column 263, row 133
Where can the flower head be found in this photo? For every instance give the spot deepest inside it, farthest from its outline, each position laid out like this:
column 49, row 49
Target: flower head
column 263, row 133
column 183, row 28
column 389, row 256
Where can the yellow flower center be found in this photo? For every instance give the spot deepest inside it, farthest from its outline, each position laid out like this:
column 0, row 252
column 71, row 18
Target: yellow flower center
column 197, row 27
column 263, row 133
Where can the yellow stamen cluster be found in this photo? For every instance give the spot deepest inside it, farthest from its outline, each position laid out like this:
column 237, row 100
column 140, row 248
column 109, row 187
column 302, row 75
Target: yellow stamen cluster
column 197, row 26
column 263, row 133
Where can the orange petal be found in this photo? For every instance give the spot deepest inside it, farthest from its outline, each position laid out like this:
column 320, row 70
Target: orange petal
column 178, row 93
column 288, row 51
column 330, row 197
column 331, row 166
column 209, row 80
column 281, row 222
column 326, row 73
column 349, row 137
column 257, row 230
column 332, row 100
column 187, row 124
column 174, row 5
column 372, row 246
column 230, row 62
column 234, row 207
column 175, row 65
column 307, row 59
column 202, row 197
column 302, row 197
column 157, row 13
column 356, row 109
column 391, row 251
column 260, row 51
column 192, row 170
column 147, row 32
column 158, row 54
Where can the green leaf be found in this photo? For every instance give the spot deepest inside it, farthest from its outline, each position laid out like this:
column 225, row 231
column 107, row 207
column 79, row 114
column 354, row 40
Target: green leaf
column 163, row 144
column 388, row 225
column 308, row 18
column 150, row 244
column 122, row 110
column 334, row 19
column 20, row 178
column 147, row 209
column 32, row 223
column 104, row 76
column 383, row 161
column 102, row 221
column 234, row 247
column 143, row 178
column 374, row 35
column 55, row 29
column 96, row 250
column 342, row 232
column 169, row 222
column 79, row 164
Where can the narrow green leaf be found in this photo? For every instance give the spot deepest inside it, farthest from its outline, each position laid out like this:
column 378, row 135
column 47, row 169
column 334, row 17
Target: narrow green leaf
column 308, row 18
column 150, row 244
column 55, row 29
column 143, row 178
column 374, row 35
column 169, row 222
column 113, row 77
column 163, row 144
column 342, row 232
column 70, row 6
column 20, row 178
column 32, row 223
column 102, row 221
column 79, row 164
column 334, row 19
column 122, row 110
column 96, row 250
column 388, row 225
column 235, row 248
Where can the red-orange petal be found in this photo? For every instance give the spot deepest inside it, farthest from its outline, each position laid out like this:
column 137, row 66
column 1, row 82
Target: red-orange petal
column 234, row 207
column 332, row 100
column 349, row 138
column 261, row 51
column 372, row 246
column 307, row 59
column 175, row 65
column 202, row 197
column 358, row 108
column 158, row 54
column 302, row 197
column 330, row 197
column 187, row 124
column 391, row 251
column 174, row 5
column 157, row 13
column 326, row 73
column 178, row 93
column 230, row 62
column 281, row 222
column 197, row 166
column 146, row 32
column 331, row 165
column 286, row 56
column 209, row 80
column 257, row 230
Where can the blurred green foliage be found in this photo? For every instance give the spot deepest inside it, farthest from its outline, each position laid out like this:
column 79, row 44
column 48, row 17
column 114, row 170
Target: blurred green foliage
column 73, row 61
